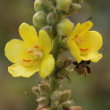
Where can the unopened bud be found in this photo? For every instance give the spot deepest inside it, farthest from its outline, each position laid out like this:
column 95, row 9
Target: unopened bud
column 39, row 19
column 52, row 18
column 65, row 27
column 75, row 7
column 60, row 62
column 38, row 5
column 63, row 5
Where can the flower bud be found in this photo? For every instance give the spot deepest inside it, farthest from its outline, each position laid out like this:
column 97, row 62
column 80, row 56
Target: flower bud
column 52, row 18
column 39, row 19
column 60, row 62
column 65, row 27
column 38, row 5
column 75, row 7
column 63, row 5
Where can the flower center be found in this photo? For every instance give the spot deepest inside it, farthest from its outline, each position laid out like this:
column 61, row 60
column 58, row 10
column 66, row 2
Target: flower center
column 79, row 41
column 36, row 52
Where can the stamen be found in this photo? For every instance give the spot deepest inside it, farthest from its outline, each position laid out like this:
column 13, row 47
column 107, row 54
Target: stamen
column 26, row 60
column 36, row 46
column 30, row 51
column 76, row 35
column 37, row 55
column 83, row 49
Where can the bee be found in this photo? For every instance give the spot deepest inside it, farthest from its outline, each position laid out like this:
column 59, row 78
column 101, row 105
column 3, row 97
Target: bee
column 82, row 68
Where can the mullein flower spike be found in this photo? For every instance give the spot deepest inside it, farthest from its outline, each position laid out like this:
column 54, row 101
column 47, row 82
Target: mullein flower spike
column 38, row 52
column 84, row 44
column 30, row 55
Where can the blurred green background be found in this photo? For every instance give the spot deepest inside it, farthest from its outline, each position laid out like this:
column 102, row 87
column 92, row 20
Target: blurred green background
column 91, row 92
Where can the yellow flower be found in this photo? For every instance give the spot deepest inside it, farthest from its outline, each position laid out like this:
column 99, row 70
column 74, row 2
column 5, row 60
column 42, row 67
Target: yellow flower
column 84, row 44
column 30, row 55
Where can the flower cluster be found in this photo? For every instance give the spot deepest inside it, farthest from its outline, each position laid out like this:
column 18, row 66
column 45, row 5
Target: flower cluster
column 41, row 48
column 34, row 52
column 49, row 12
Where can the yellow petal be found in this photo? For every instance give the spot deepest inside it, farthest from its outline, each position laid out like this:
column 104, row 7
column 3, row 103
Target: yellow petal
column 17, row 70
column 73, row 33
column 84, row 27
column 92, row 40
column 47, row 66
column 14, row 50
column 93, row 56
column 97, row 58
column 45, row 41
column 74, row 49
column 76, row 27
column 28, row 34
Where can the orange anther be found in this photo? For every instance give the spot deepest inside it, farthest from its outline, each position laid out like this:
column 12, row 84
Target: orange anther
column 26, row 60
column 30, row 51
column 38, row 55
column 36, row 46
column 83, row 49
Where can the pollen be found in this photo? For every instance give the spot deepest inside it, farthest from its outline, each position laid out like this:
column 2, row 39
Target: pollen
column 38, row 54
